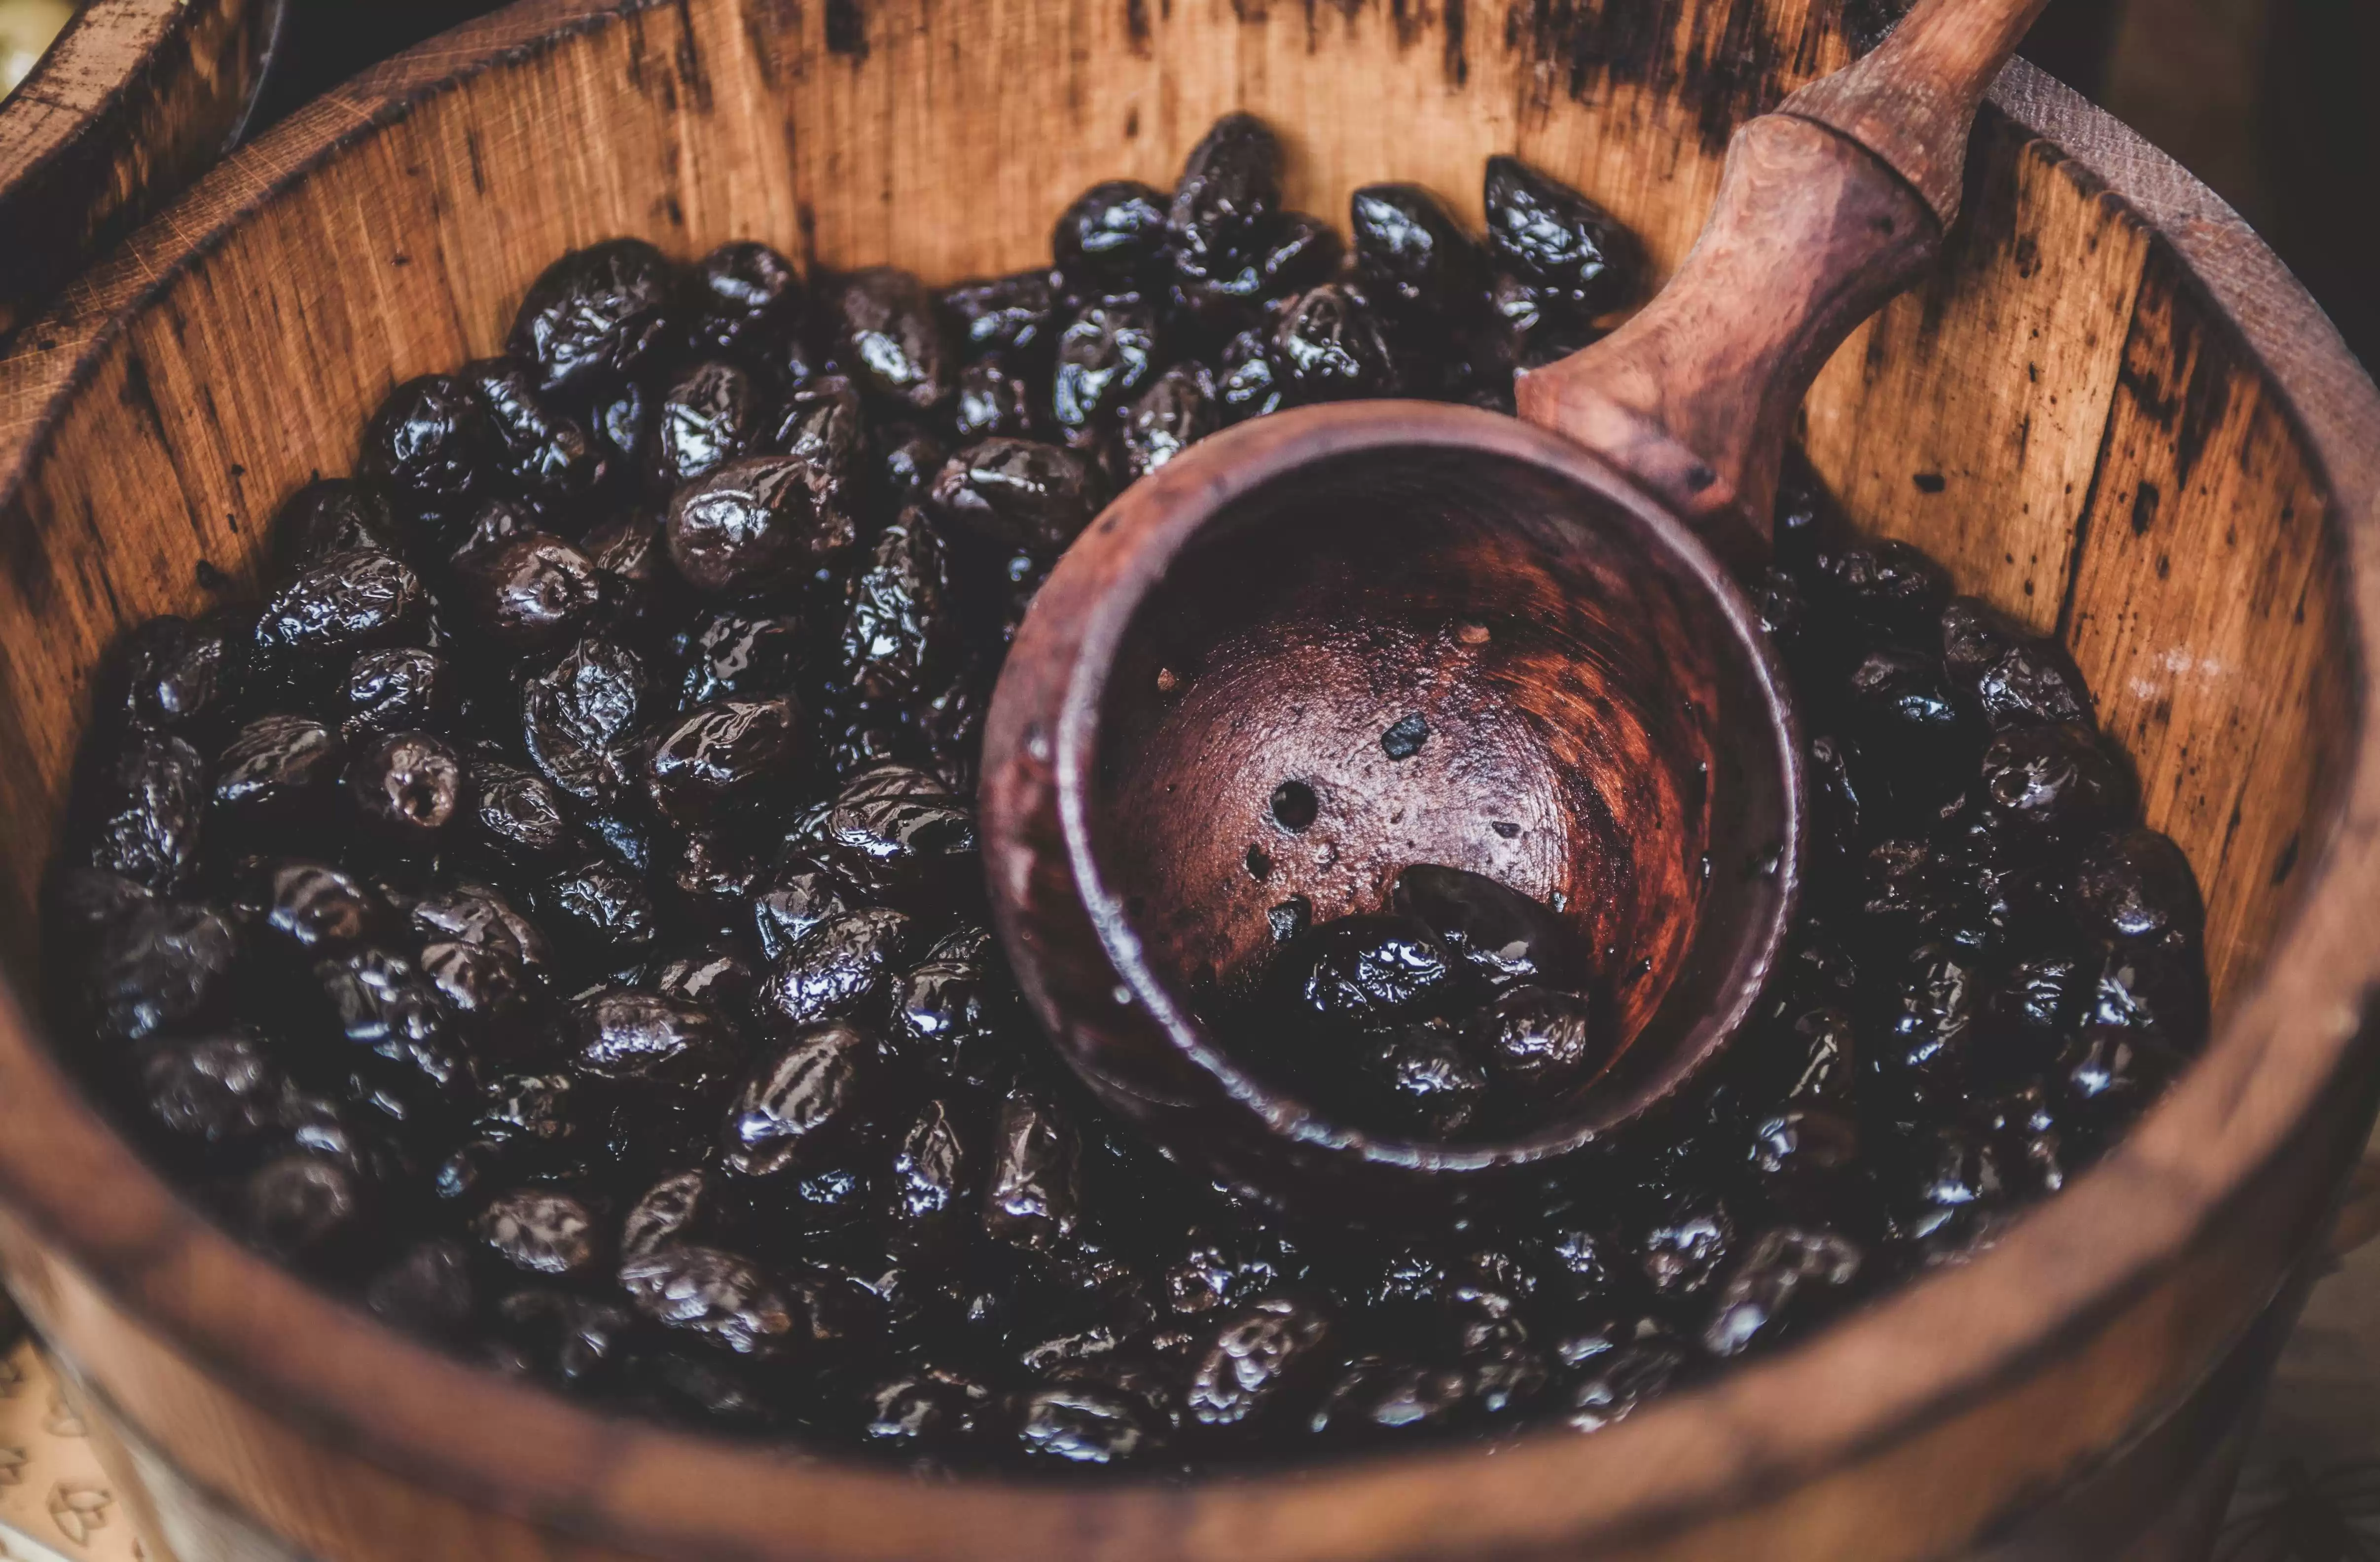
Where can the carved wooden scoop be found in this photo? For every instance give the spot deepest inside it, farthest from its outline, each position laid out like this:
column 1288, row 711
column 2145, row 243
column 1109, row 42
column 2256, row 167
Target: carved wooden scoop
column 1332, row 643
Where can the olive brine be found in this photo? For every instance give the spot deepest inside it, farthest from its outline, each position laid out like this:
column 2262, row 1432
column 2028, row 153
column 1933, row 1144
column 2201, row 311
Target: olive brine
column 552, row 915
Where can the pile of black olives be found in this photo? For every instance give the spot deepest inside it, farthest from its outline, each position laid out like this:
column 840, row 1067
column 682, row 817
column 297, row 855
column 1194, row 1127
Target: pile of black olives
column 552, row 915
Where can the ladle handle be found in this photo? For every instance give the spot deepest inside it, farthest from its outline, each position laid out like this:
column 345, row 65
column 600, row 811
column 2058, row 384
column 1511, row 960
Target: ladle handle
column 1826, row 208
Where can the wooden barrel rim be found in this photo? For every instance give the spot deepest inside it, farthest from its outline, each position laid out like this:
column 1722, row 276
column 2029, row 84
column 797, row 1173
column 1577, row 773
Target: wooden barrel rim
column 116, row 67
column 328, row 1368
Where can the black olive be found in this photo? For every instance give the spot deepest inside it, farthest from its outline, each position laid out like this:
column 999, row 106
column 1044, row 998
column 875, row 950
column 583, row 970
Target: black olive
column 929, row 1210
column 992, row 399
column 426, row 1291
column 152, row 812
column 218, row 1090
column 901, row 638
column 742, row 300
column 386, row 1005
column 2055, row 779
column 346, row 603
column 1889, row 587
column 391, row 690
column 519, row 814
column 888, row 337
column 409, row 786
column 1247, row 382
column 1113, row 233
column 646, row 1040
column 897, row 832
column 1020, row 493
column 1230, row 183
column 1374, row 1398
column 432, row 437
column 806, row 1100
column 1033, row 1193
column 1327, row 345
column 1292, row 251
column 2136, row 884
column 797, row 898
column 1180, row 408
column 717, row 976
column 1409, row 249
column 1503, row 936
column 1559, row 239
column 709, row 416
column 1615, row 1382
column 1257, row 1361
column 928, row 1410
column 579, row 717
column 728, row 1301
column 758, row 524
column 824, row 424
column 275, row 768
column 181, row 675
column 316, row 907
column 733, row 655
column 908, row 459
column 299, row 1206
column 672, row 1211
column 335, row 515
column 1682, row 1247
column 1006, row 314
column 594, row 314
column 1364, row 970
column 542, row 1231
column 1106, row 354
column 602, row 907
column 1538, row 1040
column 722, row 757
column 531, row 591
column 571, row 1339
column 844, row 965
column 1427, row 1079
column 543, row 455
column 945, row 1020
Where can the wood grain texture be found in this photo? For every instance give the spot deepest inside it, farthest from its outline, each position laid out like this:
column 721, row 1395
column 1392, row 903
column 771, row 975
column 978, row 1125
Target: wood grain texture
column 1913, row 100
column 134, row 99
column 1808, row 237
column 158, row 415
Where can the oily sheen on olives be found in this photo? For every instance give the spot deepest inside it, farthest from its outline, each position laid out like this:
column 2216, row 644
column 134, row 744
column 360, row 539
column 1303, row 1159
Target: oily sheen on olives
column 552, row 915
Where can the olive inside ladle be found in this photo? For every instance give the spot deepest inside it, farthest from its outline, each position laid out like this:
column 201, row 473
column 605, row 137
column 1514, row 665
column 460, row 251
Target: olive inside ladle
column 1447, row 637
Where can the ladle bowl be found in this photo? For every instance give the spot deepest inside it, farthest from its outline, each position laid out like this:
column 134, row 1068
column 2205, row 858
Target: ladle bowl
column 1607, row 732
column 1323, row 646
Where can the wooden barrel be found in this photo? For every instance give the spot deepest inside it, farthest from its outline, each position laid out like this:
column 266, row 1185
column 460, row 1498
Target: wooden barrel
column 2112, row 412
column 134, row 99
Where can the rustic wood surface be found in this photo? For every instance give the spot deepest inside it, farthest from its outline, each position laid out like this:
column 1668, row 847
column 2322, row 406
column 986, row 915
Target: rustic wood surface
column 134, row 99
column 2100, row 326
column 1694, row 396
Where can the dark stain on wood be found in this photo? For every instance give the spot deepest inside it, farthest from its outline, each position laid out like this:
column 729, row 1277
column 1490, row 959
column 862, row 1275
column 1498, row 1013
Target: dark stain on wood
column 1453, row 21
column 2144, row 507
column 1728, row 77
column 1136, row 26
column 688, row 58
column 846, row 29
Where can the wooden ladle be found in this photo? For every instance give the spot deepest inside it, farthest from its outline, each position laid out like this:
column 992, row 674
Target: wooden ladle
column 1330, row 643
